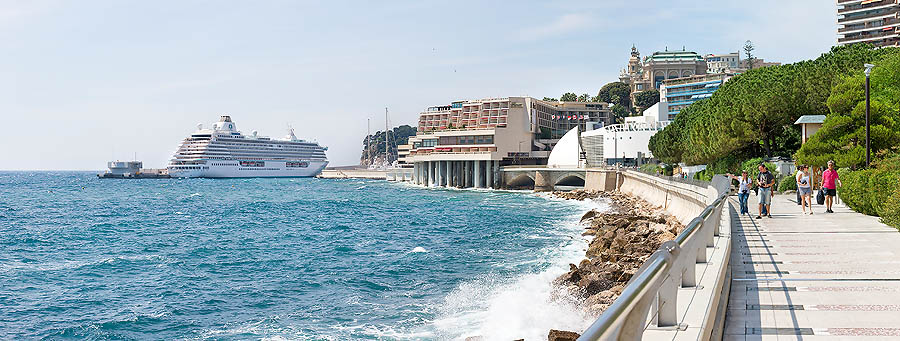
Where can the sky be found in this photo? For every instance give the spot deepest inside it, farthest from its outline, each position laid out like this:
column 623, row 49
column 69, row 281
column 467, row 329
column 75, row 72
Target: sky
column 85, row 82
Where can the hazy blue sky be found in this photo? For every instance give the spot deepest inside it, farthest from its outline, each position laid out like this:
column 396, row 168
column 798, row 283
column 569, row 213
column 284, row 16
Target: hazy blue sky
column 83, row 82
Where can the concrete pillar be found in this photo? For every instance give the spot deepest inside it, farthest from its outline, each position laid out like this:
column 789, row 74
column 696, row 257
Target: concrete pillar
column 497, row 177
column 490, row 174
column 455, row 176
column 451, row 174
column 543, row 181
column 440, row 173
column 431, row 174
column 466, row 177
column 477, row 173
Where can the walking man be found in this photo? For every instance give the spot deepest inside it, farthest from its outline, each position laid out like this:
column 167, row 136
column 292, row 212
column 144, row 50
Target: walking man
column 765, row 180
column 829, row 180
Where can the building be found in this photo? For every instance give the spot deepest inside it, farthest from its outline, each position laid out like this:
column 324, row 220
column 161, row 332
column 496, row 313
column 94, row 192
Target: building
column 679, row 93
column 464, row 144
column 809, row 125
column 868, row 21
column 402, row 154
column 649, row 73
column 626, row 143
column 757, row 63
column 721, row 63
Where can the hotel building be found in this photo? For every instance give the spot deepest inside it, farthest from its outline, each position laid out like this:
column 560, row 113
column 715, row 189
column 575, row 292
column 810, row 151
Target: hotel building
column 681, row 92
column 463, row 144
column 868, row 21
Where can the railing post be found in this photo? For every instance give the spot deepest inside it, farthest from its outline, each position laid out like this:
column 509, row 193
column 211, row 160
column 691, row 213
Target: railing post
column 689, row 272
column 667, row 301
column 718, row 214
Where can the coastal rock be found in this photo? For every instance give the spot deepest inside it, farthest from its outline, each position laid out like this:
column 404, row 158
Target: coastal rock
column 562, row 335
column 623, row 238
column 578, row 194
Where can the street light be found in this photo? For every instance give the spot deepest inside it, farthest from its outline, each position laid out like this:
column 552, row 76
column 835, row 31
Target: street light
column 868, row 149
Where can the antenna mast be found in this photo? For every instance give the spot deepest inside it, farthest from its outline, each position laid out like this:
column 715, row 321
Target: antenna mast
column 368, row 141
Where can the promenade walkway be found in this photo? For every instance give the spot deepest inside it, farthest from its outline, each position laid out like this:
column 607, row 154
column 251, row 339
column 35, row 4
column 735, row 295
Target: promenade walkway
column 801, row 277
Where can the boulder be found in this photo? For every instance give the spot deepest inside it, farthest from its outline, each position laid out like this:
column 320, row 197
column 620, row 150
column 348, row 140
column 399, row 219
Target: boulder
column 561, row 335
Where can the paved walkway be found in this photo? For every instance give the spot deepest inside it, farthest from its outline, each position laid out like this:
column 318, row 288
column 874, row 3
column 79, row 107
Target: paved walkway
column 829, row 276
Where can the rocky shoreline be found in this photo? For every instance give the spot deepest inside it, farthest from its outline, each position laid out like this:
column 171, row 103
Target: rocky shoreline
column 623, row 238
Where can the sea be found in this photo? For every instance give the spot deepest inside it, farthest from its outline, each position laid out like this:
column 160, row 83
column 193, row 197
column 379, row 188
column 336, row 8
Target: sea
column 281, row 259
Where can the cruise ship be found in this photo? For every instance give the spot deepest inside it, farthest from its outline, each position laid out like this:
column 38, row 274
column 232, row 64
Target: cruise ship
column 224, row 152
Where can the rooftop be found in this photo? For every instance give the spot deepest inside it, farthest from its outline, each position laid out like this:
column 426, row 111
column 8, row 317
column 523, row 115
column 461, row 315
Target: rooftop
column 810, row 119
column 669, row 56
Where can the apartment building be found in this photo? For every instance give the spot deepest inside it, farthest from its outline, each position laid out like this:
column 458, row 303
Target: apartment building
column 868, row 21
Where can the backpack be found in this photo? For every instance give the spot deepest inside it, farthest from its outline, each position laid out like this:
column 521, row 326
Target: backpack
column 820, row 197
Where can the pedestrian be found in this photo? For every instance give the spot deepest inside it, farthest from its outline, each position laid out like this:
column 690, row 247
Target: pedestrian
column 830, row 179
column 765, row 180
column 743, row 190
column 804, row 188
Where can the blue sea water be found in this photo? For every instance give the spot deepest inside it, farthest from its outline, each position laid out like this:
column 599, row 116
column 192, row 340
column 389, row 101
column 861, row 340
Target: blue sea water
column 310, row 259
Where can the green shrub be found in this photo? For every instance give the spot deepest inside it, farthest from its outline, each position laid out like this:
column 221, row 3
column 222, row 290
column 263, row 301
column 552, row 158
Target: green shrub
column 752, row 168
column 787, row 183
column 650, row 168
column 874, row 191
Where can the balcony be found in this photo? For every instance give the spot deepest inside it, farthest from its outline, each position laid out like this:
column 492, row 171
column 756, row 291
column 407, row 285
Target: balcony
column 863, row 5
column 871, row 25
column 867, row 36
column 883, row 12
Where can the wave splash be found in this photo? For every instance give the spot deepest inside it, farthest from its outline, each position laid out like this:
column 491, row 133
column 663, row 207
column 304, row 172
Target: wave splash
column 527, row 306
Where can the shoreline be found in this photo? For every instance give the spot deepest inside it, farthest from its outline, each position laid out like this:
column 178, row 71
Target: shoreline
column 622, row 238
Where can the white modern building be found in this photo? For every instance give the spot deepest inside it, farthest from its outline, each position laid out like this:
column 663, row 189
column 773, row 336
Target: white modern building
column 626, row 143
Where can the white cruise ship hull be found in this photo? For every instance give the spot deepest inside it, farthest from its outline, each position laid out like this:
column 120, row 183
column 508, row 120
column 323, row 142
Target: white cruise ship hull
column 231, row 169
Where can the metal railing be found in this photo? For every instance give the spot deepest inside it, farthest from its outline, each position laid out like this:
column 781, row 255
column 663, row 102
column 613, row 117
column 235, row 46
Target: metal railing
column 653, row 290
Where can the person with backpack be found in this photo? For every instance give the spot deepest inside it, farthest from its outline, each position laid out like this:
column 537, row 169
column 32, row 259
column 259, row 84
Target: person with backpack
column 765, row 180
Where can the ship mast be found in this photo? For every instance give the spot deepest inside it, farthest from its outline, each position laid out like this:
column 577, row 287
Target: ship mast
column 387, row 149
column 368, row 141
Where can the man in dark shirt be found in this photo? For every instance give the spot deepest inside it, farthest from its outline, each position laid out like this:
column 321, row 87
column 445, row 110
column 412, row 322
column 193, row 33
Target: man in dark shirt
column 765, row 180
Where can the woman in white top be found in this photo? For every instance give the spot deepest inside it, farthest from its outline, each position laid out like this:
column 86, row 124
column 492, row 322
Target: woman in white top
column 804, row 187
column 744, row 190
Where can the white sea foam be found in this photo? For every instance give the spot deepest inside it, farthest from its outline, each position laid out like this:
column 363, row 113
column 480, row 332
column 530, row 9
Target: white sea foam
column 527, row 306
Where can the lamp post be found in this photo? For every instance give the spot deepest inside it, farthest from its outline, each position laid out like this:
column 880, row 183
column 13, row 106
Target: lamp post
column 868, row 148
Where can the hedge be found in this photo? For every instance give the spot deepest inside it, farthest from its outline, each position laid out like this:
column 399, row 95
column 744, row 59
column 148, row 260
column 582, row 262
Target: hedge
column 788, row 183
column 874, row 192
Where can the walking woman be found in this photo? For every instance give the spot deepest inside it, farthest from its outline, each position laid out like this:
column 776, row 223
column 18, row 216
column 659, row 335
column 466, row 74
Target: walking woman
column 743, row 190
column 804, row 188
